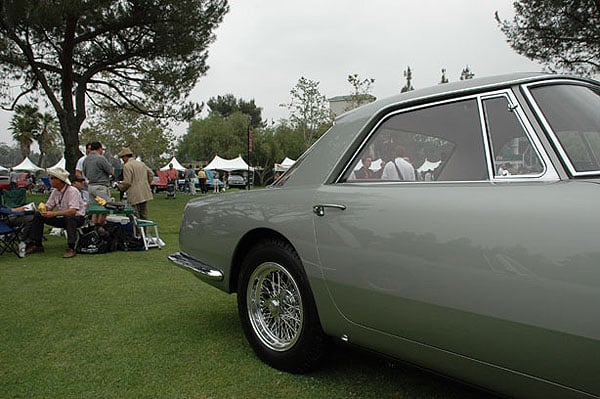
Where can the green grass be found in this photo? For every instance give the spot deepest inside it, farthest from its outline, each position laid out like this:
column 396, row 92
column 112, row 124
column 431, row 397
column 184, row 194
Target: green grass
column 132, row 325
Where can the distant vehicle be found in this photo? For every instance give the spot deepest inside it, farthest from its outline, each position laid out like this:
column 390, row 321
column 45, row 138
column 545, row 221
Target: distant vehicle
column 454, row 227
column 5, row 181
column 236, row 181
column 159, row 182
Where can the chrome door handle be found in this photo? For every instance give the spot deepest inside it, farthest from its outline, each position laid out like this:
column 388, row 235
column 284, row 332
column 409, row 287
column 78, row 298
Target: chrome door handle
column 320, row 209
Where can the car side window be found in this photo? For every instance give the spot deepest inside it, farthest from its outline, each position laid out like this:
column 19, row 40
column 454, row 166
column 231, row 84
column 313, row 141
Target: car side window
column 513, row 153
column 443, row 142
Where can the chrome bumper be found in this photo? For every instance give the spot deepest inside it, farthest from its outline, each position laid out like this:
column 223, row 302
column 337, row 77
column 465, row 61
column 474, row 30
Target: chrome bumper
column 199, row 269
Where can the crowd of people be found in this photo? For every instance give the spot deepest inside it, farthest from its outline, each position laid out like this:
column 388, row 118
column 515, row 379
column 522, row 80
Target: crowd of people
column 70, row 195
column 69, row 199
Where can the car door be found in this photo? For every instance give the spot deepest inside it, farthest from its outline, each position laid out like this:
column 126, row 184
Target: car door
column 467, row 259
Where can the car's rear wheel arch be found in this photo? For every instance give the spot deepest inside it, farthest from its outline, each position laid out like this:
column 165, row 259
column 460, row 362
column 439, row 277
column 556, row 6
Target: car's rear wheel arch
column 245, row 245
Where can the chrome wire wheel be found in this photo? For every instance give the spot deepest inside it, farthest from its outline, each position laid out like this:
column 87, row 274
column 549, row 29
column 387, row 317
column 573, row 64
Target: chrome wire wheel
column 274, row 306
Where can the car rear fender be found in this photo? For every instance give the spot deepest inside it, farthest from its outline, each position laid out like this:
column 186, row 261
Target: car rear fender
column 245, row 245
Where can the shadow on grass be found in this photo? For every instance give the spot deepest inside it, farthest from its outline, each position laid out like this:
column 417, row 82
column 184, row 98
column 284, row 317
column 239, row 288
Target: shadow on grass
column 361, row 373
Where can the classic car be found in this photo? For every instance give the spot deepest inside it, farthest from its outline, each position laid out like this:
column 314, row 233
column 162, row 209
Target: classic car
column 236, row 181
column 451, row 227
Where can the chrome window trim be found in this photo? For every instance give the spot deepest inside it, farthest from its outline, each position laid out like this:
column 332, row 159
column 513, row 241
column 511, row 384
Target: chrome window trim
column 548, row 173
column 546, row 125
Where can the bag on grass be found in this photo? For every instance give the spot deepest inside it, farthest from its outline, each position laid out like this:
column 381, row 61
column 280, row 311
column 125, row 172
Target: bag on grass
column 90, row 242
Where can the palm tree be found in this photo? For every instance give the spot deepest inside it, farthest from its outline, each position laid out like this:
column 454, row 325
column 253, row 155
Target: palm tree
column 47, row 135
column 24, row 125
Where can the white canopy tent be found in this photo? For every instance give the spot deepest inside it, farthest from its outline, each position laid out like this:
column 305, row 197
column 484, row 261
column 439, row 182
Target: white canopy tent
column 428, row 166
column 3, row 169
column 176, row 165
column 60, row 164
column 284, row 165
column 227, row 165
column 27, row 166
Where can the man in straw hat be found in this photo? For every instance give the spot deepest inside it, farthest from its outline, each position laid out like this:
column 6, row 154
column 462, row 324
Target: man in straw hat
column 136, row 181
column 64, row 201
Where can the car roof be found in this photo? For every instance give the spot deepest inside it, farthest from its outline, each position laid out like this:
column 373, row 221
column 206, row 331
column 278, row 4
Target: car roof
column 452, row 90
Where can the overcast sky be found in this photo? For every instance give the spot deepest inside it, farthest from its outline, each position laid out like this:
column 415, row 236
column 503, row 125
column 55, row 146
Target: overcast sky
column 263, row 47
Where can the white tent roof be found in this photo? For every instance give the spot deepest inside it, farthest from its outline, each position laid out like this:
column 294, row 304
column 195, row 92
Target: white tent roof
column 27, row 166
column 60, row 164
column 227, row 165
column 428, row 165
column 3, row 169
column 284, row 165
column 175, row 163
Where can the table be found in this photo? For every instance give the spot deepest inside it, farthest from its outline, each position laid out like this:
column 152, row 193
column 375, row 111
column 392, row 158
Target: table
column 97, row 209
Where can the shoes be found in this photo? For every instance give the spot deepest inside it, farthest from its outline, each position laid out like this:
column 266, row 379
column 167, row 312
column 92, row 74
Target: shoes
column 69, row 253
column 33, row 248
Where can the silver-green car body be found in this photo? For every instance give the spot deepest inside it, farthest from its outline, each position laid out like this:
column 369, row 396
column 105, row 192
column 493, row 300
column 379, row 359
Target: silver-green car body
column 490, row 278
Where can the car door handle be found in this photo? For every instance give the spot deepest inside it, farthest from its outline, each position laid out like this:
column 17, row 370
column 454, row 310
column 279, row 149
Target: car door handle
column 320, row 209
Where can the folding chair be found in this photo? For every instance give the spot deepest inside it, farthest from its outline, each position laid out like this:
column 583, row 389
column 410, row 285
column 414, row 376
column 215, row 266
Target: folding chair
column 9, row 236
column 15, row 198
column 150, row 241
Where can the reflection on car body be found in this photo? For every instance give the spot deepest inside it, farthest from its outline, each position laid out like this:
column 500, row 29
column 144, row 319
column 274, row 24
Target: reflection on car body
column 483, row 266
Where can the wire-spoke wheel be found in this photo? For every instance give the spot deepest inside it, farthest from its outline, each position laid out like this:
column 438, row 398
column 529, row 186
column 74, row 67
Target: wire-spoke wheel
column 277, row 308
column 274, row 306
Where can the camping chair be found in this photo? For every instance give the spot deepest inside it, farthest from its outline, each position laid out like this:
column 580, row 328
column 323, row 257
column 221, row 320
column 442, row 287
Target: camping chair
column 150, row 241
column 15, row 198
column 9, row 236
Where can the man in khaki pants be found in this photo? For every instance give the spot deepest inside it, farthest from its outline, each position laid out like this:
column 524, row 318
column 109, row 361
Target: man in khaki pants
column 136, row 182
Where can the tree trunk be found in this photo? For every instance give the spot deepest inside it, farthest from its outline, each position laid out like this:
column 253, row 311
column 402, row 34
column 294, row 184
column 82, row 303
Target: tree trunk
column 69, row 129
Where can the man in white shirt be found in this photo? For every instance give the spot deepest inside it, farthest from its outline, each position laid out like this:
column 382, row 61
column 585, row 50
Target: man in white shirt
column 398, row 168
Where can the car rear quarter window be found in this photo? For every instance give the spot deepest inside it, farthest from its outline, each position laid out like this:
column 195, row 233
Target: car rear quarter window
column 442, row 142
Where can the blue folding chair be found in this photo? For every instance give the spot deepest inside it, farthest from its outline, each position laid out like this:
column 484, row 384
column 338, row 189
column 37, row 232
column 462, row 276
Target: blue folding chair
column 9, row 235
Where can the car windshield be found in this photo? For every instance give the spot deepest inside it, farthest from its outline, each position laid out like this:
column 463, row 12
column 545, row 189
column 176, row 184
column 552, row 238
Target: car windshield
column 572, row 113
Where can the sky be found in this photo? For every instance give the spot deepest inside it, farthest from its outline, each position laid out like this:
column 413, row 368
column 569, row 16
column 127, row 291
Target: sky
column 263, row 47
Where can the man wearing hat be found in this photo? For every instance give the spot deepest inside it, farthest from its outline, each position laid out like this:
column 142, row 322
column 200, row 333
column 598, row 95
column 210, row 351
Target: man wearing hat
column 136, row 182
column 64, row 201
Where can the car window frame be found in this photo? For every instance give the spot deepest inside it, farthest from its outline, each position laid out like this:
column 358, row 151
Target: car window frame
column 564, row 157
column 548, row 173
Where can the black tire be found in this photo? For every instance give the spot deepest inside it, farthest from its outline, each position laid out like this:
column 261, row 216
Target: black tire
column 277, row 309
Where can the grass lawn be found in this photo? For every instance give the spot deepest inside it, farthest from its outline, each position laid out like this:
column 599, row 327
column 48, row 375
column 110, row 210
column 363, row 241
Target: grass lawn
column 132, row 325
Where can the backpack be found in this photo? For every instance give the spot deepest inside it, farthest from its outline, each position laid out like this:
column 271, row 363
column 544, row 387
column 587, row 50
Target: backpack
column 91, row 242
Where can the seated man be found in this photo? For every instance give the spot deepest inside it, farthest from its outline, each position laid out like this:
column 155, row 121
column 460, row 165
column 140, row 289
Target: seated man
column 65, row 208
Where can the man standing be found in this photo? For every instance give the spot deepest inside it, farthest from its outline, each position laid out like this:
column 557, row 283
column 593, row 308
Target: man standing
column 136, row 181
column 190, row 179
column 14, row 179
column 81, row 160
column 98, row 171
column 202, row 180
column 65, row 209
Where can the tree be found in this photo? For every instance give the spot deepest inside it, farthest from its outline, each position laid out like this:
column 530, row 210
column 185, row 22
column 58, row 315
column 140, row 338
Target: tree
column 272, row 144
column 563, row 35
column 24, row 125
column 118, row 128
column 466, row 73
column 214, row 135
column 226, row 105
column 408, row 76
column 361, row 89
column 309, row 109
column 47, row 136
column 138, row 55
